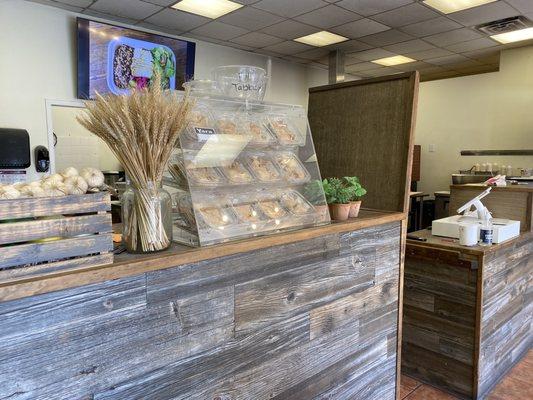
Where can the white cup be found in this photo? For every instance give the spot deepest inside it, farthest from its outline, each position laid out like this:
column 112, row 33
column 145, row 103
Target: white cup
column 468, row 234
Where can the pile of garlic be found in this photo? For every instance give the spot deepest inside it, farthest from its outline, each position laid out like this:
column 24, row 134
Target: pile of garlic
column 67, row 182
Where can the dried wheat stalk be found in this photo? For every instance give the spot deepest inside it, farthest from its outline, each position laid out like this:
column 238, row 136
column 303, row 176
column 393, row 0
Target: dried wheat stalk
column 141, row 129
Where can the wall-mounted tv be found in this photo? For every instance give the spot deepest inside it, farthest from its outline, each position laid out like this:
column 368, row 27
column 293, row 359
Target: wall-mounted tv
column 113, row 59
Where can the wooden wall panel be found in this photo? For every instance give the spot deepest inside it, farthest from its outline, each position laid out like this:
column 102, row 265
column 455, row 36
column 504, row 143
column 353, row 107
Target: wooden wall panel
column 249, row 326
column 365, row 128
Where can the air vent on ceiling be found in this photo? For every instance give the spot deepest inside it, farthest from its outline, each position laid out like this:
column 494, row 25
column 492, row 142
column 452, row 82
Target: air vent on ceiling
column 505, row 25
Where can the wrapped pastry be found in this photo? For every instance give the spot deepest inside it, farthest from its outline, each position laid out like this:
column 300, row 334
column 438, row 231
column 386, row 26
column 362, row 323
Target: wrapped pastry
column 285, row 132
column 237, row 173
column 263, row 168
column 293, row 171
column 272, row 209
column 247, row 213
column 216, row 217
column 258, row 131
column 199, row 118
column 205, row 176
column 227, row 124
column 296, row 204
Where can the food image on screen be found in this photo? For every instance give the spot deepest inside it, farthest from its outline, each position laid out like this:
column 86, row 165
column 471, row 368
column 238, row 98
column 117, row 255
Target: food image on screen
column 113, row 59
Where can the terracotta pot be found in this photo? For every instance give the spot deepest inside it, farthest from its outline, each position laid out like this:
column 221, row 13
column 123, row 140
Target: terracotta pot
column 354, row 208
column 339, row 212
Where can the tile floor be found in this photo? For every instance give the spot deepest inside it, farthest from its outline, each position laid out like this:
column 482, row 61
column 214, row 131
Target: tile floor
column 517, row 385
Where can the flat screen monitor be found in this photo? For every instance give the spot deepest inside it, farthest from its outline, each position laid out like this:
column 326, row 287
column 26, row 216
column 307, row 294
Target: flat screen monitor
column 113, row 59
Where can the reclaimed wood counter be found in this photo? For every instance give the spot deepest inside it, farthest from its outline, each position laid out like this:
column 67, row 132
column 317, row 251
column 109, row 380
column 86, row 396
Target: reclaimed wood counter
column 306, row 314
column 467, row 311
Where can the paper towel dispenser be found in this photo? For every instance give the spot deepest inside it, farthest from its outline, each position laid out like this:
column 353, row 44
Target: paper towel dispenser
column 14, row 148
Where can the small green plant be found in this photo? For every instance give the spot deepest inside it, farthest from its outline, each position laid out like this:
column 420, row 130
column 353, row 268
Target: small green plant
column 336, row 191
column 357, row 190
column 314, row 192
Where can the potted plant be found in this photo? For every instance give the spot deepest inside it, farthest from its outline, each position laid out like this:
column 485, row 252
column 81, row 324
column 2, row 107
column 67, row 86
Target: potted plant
column 357, row 191
column 338, row 198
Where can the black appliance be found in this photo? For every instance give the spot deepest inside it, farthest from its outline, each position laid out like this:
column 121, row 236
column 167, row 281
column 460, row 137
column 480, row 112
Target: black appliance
column 14, row 148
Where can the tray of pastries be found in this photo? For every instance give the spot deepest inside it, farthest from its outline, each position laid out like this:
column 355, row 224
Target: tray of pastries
column 292, row 169
column 296, row 203
column 256, row 128
column 217, row 217
column 263, row 168
column 285, row 131
column 236, row 173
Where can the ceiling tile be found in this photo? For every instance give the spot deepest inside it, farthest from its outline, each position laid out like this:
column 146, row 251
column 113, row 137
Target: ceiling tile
column 313, row 54
column 524, row 6
column 385, row 38
column 238, row 46
column 164, row 3
column 134, row 9
column 430, row 27
column 427, row 54
column 219, row 30
column 471, row 45
column 369, row 55
column 381, row 71
column 358, row 67
column 328, row 16
column 362, row 27
column 412, row 66
column 288, row 47
column 256, row 39
column 109, row 17
column 205, row 39
column 486, row 56
column 464, row 64
column 62, row 5
column 147, row 25
column 453, row 59
column 246, row 2
column 486, row 13
column 371, row 7
column 410, row 46
column 251, row 18
column 174, row 19
column 289, row 8
column 349, row 45
column 76, row 3
column 289, row 29
column 406, row 15
column 452, row 37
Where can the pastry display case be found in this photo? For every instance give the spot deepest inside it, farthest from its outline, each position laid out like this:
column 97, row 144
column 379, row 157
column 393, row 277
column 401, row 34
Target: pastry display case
column 244, row 168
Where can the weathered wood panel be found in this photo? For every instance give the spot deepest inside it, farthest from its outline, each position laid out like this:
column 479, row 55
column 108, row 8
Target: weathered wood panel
column 173, row 334
column 507, row 311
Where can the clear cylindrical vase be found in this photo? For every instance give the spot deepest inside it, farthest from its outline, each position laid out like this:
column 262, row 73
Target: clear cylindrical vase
column 146, row 218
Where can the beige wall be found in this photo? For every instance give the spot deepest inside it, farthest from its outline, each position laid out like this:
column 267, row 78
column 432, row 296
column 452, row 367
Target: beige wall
column 478, row 112
column 38, row 62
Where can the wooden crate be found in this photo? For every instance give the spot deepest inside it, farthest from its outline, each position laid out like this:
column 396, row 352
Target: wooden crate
column 78, row 226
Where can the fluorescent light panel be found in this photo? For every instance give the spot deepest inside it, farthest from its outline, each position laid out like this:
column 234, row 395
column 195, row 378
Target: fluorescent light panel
column 514, row 36
column 394, row 60
column 322, row 38
column 451, row 6
column 207, row 8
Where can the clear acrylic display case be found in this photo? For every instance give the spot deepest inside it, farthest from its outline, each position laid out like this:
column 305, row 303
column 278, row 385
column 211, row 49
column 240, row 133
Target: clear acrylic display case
column 244, row 169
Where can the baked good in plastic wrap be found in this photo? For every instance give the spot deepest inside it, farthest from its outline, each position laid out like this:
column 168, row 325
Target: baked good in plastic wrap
column 236, row 173
column 205, row 176
column 292, row 169
column 227, row 124
column 256, row 128
column 263, row 168
column 217, row 217
column 272, row 208
column 201, row 123
column 295, row 203
column 286, row 132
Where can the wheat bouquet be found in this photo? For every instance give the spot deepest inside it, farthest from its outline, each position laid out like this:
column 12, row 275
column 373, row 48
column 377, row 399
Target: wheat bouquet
column 141, row 129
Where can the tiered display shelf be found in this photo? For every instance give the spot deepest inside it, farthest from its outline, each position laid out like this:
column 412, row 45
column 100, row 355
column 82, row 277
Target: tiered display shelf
column 245, row 169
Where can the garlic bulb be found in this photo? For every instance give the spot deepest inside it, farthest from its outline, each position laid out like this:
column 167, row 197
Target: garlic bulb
column 69, row 172
column 53, row 179
column 93, row 177
column 55, row 189
column 9, row 192
column 32, row 191
column 34, row 184
column 76, row 185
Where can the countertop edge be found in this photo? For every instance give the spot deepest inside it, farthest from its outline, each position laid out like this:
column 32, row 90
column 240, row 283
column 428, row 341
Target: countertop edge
column 29, row 286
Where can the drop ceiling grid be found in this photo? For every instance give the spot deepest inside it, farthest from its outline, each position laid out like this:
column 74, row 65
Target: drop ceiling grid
column 263, row 26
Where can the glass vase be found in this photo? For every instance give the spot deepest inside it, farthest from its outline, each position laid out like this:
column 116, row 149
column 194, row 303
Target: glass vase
column 146, row 218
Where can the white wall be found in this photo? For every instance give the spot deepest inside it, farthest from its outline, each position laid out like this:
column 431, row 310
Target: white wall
column 478, row 112
column 38, row 62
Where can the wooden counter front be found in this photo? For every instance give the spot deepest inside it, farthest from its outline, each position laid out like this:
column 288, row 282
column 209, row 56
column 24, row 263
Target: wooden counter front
column 467, row 311
column 303, row 315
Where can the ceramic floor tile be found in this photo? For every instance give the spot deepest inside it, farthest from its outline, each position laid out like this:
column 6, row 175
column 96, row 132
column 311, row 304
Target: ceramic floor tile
column 512, row 389
column 523, row 371
column 426, row 392
column 407, row 385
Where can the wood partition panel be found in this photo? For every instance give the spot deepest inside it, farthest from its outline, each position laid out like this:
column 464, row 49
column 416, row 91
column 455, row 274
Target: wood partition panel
column 365, row 128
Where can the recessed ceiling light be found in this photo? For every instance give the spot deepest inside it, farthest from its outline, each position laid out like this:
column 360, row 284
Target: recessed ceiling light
column 322, row 38
column 514, row 36
column 451, row 6
column 394, row 60
column 207, row 8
